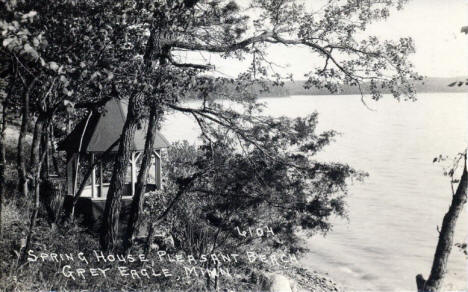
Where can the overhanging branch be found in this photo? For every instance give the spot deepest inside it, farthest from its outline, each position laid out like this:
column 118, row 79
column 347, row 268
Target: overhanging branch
column 190, row 65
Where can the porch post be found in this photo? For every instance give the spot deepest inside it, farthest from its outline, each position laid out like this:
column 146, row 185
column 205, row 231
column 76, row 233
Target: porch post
column 133, row 171
column 76, row 169
column 101, row 186
column 157, row 168
column 93, row 178
column 70, row 176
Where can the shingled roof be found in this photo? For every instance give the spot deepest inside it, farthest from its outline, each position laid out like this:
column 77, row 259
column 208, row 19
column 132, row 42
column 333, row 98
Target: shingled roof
column 96, row 133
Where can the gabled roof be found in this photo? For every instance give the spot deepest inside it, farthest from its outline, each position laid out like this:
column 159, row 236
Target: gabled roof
column 96, row 133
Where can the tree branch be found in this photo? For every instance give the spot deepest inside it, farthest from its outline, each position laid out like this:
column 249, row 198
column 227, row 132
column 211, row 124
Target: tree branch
column 218, row 48
column 190, row 65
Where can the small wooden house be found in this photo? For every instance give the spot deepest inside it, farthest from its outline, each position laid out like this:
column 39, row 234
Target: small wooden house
column 84, row 146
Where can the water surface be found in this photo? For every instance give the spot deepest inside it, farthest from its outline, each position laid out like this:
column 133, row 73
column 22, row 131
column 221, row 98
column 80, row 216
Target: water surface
column 393, row 216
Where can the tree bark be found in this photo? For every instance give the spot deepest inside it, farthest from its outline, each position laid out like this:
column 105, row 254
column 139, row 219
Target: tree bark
column 37, row 137
column 149, row 238
column 53, row 152
column 20, row 160
column 2, row 161
column 35, row 210
column 110, row 224
column 44, row 147
column 445, row 243
column 140, row 188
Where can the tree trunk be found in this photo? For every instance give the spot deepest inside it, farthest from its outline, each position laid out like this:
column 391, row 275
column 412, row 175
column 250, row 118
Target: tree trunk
column 2, row 161
column 37, row 137
column 140, row 189
column 37, row 159
column 32, row 222
column 35, row 210
column 20, row 160
column 44, row 147
column 53, row 152
column 110, row 224
column 149, row 238
column 445, row 243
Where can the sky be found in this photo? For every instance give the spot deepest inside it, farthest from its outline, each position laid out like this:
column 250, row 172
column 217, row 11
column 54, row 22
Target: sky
column 434, row 25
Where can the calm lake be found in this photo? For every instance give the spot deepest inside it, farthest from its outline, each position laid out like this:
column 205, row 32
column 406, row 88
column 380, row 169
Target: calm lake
column 393, row 215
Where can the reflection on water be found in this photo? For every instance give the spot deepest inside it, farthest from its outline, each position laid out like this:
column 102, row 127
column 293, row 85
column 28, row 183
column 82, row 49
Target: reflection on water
column 391, row 235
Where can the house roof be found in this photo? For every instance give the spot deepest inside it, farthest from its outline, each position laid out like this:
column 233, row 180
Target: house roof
column 98, row 131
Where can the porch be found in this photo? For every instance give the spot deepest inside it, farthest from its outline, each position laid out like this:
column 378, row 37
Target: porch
column 91, row 148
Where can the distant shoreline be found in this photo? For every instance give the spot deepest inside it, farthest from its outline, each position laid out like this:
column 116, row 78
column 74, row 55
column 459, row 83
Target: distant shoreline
column 354, row 94
column 428, row 85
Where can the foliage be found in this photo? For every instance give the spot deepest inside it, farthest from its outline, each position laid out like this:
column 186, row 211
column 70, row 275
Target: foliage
column 462, row 247
column 40, row 38
column 143, row 51
column 225, row 184
column 251, row 170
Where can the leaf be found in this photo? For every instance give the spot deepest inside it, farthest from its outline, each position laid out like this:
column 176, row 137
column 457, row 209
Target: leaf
column 67, row 92
column 68, row 103
column 7, row 41
column 53, row 66
column 110, row 76
column 31, row 51
column 450, row 173
column 64, row 80
column 94, row 75
column 30, row 14
column 36, row 42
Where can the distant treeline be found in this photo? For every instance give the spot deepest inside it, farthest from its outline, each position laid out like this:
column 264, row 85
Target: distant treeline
column 430, row 84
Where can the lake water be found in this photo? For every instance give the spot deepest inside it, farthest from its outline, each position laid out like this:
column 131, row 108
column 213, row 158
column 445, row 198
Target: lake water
column 393, row 215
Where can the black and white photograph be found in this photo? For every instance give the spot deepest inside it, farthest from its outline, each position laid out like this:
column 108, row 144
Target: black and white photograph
column 234, row 145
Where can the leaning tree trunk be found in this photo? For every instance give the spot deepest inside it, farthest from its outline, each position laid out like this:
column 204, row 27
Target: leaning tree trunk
column 109, row 231
column 445, row 243
column 110, row 224
column 45, row 148
column 20, row 160
column 37, row 159
column 140, row 188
